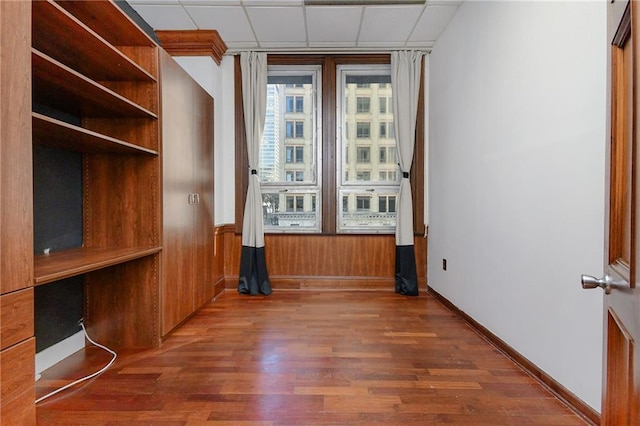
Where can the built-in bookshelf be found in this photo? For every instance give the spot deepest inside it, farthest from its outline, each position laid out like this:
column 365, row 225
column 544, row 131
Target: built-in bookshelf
column 95, row 92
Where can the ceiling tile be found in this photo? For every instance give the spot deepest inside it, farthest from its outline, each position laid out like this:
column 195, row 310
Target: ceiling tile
column 241, row 45
column 161, row 2
column 333, row 24
column 273, row 2
column 338, row 45
column 230, row 22
column 211, row 2
column 382, row 45
column 444, row 3
column 288, row 24
column 391, row 24
column 420, row 45
column 283, row 45
column 433, row 22
column 274, row 24
column 162, row 17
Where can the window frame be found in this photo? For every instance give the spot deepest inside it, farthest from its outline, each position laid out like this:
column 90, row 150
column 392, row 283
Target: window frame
column 296, row 147
column 326, row 203
column 357, row 220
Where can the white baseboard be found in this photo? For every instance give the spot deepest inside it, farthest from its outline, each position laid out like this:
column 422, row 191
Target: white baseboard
column 56, row 353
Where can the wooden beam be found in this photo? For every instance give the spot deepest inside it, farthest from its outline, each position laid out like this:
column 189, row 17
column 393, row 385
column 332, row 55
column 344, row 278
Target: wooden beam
column 193, row 43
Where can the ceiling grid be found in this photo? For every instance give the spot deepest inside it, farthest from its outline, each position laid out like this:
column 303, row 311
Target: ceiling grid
column 293, row 26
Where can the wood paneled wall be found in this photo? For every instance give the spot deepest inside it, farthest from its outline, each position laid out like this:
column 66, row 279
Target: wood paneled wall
column 337, row 262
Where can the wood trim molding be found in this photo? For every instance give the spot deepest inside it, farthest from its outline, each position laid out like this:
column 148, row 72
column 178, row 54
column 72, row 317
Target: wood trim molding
column 193, row 43
column 242, row 161
column 559, row 391
column 329, row 283
column 227, row 228
column 623, row 31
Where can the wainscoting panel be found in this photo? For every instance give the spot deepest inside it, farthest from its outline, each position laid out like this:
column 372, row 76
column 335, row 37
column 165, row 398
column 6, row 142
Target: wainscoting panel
column 322, row 262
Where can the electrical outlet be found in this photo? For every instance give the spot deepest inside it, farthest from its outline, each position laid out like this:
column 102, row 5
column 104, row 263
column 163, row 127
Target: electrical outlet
column 444, row 264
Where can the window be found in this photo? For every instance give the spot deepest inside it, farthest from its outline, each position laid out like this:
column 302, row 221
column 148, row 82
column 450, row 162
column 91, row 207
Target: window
column 295, row 203
column 294, row 176
column 385, row 105
column 297, row 161
column 290, row 190
column 364, row 154
column 295, row 129
column 363, row 105
column 295, row 104
column 363, row 175
column 388, row 154
column 363, row 130
column 295, row 154
column 387, row 204
column 363, row 203
column 367, row 204
column 388, row 175
column 387, row 130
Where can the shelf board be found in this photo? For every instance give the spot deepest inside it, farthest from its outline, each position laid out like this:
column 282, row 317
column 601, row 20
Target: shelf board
column 56, row 33
column 61, row 87
column 69, row 263
column 52, row 132
column 108, row 20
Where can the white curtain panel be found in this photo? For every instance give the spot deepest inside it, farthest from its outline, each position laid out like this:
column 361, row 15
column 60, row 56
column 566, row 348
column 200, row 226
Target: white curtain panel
column 405, row 83
column 254, row 96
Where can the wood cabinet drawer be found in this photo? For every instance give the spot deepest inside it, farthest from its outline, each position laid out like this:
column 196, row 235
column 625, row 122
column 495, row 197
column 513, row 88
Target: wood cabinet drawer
column 16, row 317
column 17, row 378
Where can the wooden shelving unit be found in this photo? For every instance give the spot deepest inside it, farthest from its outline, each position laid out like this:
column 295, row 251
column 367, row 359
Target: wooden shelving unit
column 53, row 132
column 66, row 89
column 94, row 56
column 69, row 263
column 92, row 63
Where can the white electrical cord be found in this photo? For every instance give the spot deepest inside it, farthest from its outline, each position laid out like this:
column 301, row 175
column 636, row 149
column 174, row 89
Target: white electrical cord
column 102, row 370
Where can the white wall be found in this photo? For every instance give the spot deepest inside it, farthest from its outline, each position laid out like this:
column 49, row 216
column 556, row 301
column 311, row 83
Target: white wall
column 218, row 82
column 517, row 147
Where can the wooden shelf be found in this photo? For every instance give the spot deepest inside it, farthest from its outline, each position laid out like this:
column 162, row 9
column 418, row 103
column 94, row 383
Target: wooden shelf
column 56, row 34
column 52, row 132
column 64, row 88
column 69, row 263
column 108, row 20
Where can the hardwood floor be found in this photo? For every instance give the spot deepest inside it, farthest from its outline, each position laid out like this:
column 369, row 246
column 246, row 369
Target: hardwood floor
column 306, row 357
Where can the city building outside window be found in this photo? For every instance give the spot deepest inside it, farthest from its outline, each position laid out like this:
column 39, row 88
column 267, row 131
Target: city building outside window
column 366, row 204
column 290, row 162
column 363, row 104
column 295, row 104
column 363, row 203
column 363, row 175
column 363, row 130
column 294, row 154
column 295, row 129
column 364, row 154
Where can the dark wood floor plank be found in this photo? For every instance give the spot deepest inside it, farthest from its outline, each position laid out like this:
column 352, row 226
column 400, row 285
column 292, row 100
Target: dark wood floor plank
column 297, row 358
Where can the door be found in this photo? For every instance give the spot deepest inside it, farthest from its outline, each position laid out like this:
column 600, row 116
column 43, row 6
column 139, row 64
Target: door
column 203, row 285
column 177, row 204
column 621, row 380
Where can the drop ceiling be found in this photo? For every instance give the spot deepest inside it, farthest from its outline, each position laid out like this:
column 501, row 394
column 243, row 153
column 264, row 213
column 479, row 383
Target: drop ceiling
column 290, row 25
